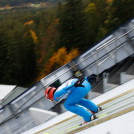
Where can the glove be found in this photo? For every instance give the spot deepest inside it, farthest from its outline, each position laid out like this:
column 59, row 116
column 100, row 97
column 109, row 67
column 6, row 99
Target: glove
column 92, row 78
column 79, row 82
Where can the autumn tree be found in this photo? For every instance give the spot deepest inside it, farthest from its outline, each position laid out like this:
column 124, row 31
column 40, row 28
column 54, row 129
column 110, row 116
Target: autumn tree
column 60, row 58
column 71, row 55
column 52, row 37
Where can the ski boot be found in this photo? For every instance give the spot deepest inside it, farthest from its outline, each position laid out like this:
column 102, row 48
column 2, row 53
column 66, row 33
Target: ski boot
column 93, row 117
column 99, row 109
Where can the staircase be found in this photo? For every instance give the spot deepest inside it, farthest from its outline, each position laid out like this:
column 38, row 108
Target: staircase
column 115, row 76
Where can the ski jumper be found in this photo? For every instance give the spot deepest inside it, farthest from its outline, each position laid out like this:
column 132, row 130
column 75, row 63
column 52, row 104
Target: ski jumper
column 75, row 98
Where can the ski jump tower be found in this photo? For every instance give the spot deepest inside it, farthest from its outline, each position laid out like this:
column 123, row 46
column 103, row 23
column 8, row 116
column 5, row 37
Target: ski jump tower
column 100, row 59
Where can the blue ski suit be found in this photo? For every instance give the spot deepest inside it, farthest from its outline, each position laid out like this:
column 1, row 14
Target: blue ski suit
column 75, row 98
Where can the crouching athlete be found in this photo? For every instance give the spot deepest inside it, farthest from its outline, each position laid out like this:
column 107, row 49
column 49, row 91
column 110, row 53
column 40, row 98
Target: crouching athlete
column 74, row 91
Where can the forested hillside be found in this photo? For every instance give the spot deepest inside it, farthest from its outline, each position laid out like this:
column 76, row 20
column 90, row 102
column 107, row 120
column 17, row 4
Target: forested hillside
column 35, row 42
column 22, row 2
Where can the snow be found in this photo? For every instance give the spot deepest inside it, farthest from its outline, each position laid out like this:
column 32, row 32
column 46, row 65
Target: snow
column 55, row 120
column 5, row 90
column 119, row 125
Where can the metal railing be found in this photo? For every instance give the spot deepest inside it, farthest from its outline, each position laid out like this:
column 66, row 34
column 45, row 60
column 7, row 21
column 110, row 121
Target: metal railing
column 96, row 62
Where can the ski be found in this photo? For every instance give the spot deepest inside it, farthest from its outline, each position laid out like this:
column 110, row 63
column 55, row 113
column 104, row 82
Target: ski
column 108, row 108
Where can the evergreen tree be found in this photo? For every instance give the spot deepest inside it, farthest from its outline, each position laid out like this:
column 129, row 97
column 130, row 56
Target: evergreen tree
column 18, row 63
column 96, row 13
column 119, row 12
column 72, row 25
column 123, row 10
column 3, row 52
